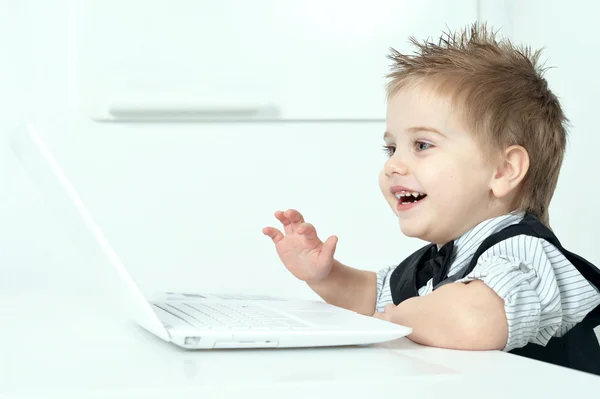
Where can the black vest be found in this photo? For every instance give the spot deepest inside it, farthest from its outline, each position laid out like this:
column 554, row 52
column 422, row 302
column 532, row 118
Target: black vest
column 577, row 349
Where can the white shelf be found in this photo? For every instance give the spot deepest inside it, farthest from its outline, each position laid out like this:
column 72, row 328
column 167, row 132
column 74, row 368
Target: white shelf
column 248, row 60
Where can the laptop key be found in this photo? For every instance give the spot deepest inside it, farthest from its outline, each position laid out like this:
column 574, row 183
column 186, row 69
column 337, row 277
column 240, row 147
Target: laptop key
column 220, row 316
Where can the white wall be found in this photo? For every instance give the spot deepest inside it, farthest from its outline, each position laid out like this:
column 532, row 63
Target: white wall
column 184, row 203
column 567, row 31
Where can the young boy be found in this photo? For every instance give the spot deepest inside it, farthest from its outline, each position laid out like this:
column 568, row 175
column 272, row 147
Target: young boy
column 475, row 141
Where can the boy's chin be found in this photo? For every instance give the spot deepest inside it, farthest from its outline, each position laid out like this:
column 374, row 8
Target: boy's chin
column 412, row 228
column 416, row 229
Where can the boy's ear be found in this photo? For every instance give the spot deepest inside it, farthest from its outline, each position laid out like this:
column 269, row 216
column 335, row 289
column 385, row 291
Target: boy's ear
column 511, row 170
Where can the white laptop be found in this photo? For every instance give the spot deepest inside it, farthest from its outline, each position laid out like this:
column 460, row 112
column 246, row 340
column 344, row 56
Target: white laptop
column 197, row 320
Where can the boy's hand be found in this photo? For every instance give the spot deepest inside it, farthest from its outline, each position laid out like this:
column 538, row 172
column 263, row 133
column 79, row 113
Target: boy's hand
column 387, row 314
column 300, row 250
column 465, row 316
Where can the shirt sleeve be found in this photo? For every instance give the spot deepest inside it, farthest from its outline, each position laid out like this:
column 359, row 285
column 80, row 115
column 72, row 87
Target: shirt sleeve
column 544, row 295
column 384, row 293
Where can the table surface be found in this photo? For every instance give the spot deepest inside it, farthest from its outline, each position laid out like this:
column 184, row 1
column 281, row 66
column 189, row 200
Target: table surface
column 68, row 347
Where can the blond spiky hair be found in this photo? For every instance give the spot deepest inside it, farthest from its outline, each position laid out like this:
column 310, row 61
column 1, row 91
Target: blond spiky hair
column 500, row 93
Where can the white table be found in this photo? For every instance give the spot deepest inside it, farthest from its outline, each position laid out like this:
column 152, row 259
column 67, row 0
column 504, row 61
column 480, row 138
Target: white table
column 53, row 347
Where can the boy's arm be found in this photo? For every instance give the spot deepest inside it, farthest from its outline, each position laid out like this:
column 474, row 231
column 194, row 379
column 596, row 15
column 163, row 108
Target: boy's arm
column 457, row 316
column 506, row 302
column 348, row 288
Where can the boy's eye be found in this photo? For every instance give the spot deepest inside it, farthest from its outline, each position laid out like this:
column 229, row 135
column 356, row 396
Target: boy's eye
column 421, row 145
column 389, row 150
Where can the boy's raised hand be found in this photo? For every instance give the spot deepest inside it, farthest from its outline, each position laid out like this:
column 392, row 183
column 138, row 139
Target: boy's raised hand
column 300, row 249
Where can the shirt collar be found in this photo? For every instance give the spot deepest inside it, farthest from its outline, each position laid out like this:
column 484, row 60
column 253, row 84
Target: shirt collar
column 466, row 245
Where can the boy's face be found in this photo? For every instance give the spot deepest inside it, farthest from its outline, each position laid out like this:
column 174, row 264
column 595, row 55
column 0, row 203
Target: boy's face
column 433, row 156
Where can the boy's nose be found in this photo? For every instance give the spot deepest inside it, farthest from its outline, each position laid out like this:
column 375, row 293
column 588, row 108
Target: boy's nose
column 394, row 166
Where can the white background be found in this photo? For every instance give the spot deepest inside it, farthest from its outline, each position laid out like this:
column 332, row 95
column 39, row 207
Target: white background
column 184, row 203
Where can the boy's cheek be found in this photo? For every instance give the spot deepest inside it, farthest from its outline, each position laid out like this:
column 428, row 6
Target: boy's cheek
column 384, row 183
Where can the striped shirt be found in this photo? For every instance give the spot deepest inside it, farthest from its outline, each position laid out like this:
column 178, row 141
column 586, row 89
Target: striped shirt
column 544, row 295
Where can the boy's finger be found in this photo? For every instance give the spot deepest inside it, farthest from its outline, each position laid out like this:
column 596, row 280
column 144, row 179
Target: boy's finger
column 329, row 246
column 287, row 225
column 294, row 216
column 381, row 316
column 307, row 230
column 389, row 308
column 281, row 217
column 272, row 232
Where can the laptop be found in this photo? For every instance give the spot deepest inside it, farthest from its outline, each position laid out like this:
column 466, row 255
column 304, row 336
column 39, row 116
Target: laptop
column 201, row 320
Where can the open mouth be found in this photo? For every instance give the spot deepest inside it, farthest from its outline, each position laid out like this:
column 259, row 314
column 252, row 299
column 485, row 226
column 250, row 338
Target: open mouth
column 406, row 197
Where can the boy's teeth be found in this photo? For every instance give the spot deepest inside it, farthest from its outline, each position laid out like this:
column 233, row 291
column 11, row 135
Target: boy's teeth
column 407, row 194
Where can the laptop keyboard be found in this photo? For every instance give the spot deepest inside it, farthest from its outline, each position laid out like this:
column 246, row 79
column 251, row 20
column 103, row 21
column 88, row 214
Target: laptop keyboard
column 234, row 316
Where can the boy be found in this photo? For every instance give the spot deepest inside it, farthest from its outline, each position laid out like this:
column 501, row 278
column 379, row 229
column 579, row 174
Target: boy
column 475, row 142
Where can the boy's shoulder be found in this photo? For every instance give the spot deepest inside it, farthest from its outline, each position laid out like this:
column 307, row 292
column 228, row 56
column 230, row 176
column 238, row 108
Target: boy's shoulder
column 531, row 242
column 518, row 237
column 523, row 225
